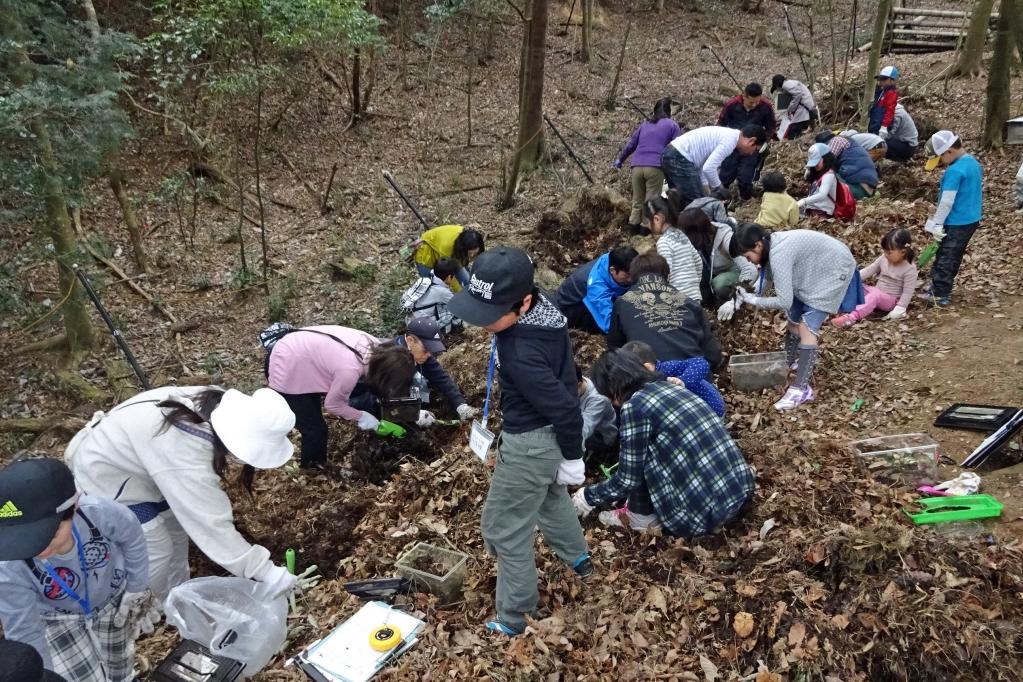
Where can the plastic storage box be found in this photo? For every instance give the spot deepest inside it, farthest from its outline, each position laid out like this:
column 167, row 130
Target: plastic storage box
column 444, row 575
column 758, row 371
column 906, row 459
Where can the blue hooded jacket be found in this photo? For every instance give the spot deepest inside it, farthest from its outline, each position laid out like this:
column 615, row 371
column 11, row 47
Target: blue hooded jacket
column 593, row 286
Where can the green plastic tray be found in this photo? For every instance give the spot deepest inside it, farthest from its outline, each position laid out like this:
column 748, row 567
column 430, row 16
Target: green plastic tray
column 955, row 508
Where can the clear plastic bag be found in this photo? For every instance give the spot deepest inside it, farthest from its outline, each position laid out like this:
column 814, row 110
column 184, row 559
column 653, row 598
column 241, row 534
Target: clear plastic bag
column 232, row 617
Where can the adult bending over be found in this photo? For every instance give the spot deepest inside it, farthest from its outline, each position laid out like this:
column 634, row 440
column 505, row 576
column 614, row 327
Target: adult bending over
column 678, row 467
column 692, row 162
column 586, row 296
column 164, row 454
column 814, row 276
column 315, row 365
column 645, row 147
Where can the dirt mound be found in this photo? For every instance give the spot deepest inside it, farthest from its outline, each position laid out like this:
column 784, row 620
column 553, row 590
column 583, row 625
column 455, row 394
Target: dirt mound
column 376, row 459
column 587, row 223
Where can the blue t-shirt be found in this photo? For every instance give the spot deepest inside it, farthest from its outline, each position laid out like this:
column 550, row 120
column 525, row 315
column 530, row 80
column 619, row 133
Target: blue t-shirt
column 964, row 177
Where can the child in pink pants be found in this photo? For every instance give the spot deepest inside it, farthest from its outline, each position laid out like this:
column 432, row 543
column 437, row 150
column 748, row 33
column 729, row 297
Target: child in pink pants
column 896, row 279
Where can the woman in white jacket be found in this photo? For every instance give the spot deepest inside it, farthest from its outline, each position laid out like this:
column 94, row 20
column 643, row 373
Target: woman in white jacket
column 712, row 240
column 164, row 454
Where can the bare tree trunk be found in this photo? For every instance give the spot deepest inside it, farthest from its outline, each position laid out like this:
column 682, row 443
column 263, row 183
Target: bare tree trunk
column 91, row 20
column 77, row 326
column 880, row 23
column 530, row 145
column 587, row 21
column 116, row 178
column 1016, row 26
column 976, row 37
column 996, row 108
column 612, row 94
column 402, row 48
column 241, row 198
column 357, row 84
column 115, row 175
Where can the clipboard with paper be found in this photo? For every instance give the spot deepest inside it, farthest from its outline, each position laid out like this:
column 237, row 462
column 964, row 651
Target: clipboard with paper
column 480, row 438
column 345, row 655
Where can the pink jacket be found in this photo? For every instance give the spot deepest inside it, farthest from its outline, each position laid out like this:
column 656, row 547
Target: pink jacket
column 307, row 362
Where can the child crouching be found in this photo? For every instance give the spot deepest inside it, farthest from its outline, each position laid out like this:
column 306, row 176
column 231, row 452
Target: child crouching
column 74, row 573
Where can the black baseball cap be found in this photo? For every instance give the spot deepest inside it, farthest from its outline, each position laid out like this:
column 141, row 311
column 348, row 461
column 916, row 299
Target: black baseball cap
column 34, row 494
column 428, row 330
column 22, row 663
column 500, row 277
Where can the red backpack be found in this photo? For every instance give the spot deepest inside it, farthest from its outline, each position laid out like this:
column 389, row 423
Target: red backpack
column 845, row 203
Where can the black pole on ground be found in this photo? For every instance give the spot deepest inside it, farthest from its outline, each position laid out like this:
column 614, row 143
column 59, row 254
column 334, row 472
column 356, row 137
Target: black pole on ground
column 724, row 66
column 406, row 199
column 636, row 107
column 118, row 338
column 568, row 149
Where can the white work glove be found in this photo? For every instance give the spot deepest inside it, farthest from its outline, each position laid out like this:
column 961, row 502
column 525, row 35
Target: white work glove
column 582, row 507
column 466, row 411
column 747, row 298
column 727, row 310
column 571, row 472
column 368, row 422
column 966, row 483
column 883, row 132
column 139, row 611
column 897, row 313
column 426, row 418
column 937, row 231
column 278, row 582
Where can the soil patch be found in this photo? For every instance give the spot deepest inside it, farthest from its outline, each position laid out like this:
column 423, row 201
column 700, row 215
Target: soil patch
column 587, row 224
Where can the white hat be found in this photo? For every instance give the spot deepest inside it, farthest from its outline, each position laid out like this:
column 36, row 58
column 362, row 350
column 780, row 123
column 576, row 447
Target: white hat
column 816, row 154
column 939, row 143
column 888, row 72
column 255, row 428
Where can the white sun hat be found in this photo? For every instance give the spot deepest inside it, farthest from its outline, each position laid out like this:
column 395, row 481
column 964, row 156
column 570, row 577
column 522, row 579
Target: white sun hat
column 255, row 428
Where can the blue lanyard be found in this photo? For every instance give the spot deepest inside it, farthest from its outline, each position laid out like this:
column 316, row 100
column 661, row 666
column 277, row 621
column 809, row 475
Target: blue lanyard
column 490, row 379
column 82, row 601
column 763, row 274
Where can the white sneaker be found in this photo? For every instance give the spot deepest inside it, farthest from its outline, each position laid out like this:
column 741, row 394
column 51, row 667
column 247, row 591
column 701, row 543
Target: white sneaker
column 623, row 518
column 793, row 398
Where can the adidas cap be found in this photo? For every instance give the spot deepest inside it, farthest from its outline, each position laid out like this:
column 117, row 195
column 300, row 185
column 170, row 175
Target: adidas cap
column 34, row 493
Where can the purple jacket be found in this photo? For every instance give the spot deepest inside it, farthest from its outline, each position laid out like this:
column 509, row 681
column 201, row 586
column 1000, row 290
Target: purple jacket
column 649, row 141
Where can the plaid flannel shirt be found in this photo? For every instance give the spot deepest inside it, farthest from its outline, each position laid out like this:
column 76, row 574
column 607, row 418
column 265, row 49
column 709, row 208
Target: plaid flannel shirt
column 696, row 476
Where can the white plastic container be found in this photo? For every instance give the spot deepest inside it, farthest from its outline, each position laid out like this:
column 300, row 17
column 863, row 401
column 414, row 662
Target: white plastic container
column 909, row 459
column 447, row 582
column 757, row 371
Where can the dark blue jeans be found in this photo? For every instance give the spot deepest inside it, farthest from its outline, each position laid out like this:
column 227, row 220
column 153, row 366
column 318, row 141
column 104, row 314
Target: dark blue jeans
column 682, row 175
column 950, row 257
column 899, row 150
column 742, row 168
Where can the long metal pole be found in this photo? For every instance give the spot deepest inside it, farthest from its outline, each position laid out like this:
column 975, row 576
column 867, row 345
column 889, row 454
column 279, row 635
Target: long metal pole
column 568, row 149
column 724, row 66
column 118, row 338
column 636, row 107
column 405, row 198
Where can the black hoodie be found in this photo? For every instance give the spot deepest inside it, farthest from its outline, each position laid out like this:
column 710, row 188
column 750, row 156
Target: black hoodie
column 537, row 372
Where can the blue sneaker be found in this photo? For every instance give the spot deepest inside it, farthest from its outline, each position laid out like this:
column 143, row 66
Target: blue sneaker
column 929, row 297
column 583, row 567
column 498, row 626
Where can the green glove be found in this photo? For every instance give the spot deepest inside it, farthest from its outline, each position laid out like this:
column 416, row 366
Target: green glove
column 387, row 428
